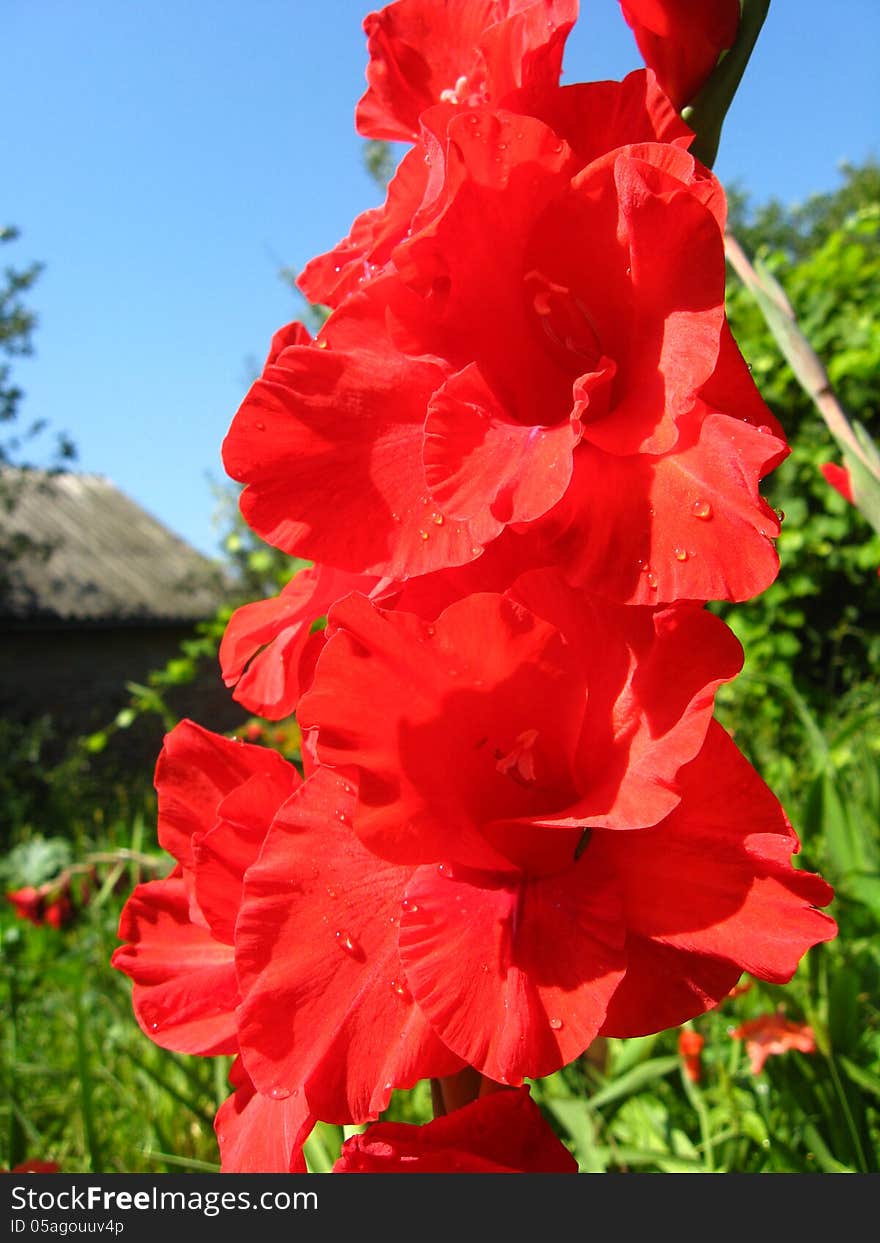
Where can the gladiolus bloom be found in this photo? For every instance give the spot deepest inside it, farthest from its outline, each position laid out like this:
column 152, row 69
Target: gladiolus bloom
column 771, row 1035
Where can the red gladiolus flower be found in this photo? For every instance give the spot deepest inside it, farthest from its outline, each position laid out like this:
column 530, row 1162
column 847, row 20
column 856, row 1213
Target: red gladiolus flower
column 592, row 117
column 681, row 40
column 690, row 1049
column 217, row 797
column 47, row 904
column 498, row 757
column 504, row 1133
column 581, row 391
column 771, row 1035
column 423, row 52
column 28, row 903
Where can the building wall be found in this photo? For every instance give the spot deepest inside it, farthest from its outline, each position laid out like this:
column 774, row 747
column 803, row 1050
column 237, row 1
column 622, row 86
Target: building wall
column 78, row 677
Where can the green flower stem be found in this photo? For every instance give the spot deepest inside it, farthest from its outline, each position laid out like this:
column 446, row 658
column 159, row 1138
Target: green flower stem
column 705, row 115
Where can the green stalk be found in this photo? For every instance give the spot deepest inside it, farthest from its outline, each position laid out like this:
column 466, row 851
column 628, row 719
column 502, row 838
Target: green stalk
column 705, row 115
column 86, row 1084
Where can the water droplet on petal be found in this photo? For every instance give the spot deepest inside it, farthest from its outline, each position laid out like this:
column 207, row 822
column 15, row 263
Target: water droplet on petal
column 340, row 816
column 279, row 1093
column 331, row 892
column 556, row 1024
column 399, row 987
column 701, row 509
column 437, row 519
column 423, row 534
column 409, row 907
column 651, row 579
column 445, row 869
column 768, row 431
column 347, row 942
column 680, row 554
column 780, row 514
column 154, row 1027
column 261, row 427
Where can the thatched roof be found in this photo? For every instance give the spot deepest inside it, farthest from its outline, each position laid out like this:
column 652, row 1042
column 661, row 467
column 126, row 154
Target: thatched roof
column 75, row 550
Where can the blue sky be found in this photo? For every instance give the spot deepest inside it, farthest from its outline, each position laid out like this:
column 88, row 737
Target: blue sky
column 164, row 158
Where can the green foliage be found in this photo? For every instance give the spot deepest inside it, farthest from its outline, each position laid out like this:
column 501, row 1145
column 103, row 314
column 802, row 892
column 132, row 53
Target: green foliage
column 817, row 628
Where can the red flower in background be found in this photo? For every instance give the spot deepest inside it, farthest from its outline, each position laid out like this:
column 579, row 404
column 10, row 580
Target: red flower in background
column 839, row 478
column 34, row 1167
column 504, row 1133
column 690, row 1049
column 771, row 1035
column 681, row 40
column 49, row 903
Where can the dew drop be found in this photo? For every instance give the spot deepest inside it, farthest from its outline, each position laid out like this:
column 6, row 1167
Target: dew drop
column 395, row 517
column 475, row 550
column 392, row 919
column 409, row 907
column 340, row 816
column 651, row 578
column 261, row 427
column 437, row 519
column 701, row 509
column 445, row 869
column 780, row 514
column 472, row 120
column 556, row 1024
column 767, row 431
column 331, row 892
column 484, row 967
column 680, row 554
column 387, row 1085
column 337, row 268
column 279, row 1093
column 154, row 1027
column 322, row 345
column 347, row 942
column 399, row 987
column 430, row 631
column 423, row 534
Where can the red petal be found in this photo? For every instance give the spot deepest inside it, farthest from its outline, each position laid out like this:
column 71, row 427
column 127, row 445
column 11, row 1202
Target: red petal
column 326, row 1008
column 597, row 117
column 504, row 1133
column 261, row 653
column 681, row 41
column 689, row 525
column 195, row 771
column 258, row 1135
column 651, row 677
column 185, row 991
column 482, row 466
column 224, row 854
column 354, row 418
column 330, row 278
column 427, row 713
column 715, row 881
column 514, row 975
